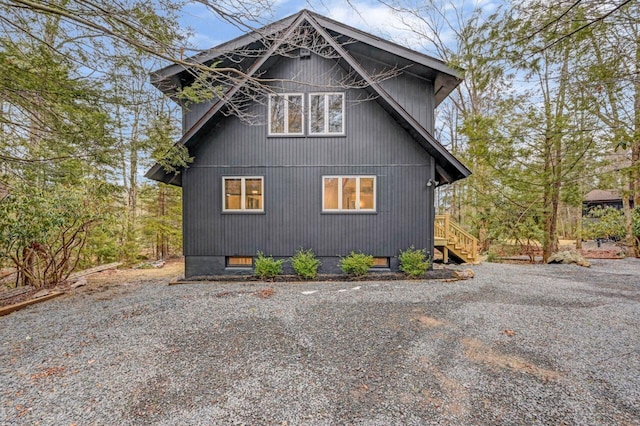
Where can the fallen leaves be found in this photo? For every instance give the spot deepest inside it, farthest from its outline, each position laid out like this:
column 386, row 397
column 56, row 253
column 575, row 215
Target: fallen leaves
column 508, row 332
column 264, row 293
column 22, row 410
column 49, row 372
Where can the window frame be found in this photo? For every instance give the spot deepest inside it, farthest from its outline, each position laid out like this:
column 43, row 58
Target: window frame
column 230, row 264
column 380, row 265
column 326, row 131
column 286, row 132
column 357, row 209
column 243, row 194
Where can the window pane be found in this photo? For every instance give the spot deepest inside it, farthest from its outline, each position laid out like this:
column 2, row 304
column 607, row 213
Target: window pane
column 277, row 114
column 253, row 194
column 316, row 114
column 295, row 114
column 330, row 193
column 348, row 193
column 335, row 113
column 232, row 194
column 239, row 261
column 366, row 193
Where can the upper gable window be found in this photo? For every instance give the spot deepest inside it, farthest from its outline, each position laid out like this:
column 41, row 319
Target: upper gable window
column 285, row 114
column 326, row 113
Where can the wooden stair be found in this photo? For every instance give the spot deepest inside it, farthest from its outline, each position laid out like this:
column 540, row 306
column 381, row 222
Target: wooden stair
column 454, row 242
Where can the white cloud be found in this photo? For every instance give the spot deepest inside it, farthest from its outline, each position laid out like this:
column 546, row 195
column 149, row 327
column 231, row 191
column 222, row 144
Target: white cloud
column 372, row 16
column 376, row 18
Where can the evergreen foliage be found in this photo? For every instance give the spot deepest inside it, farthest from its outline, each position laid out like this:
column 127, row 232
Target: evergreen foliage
column 305, row 264
column 607, row 223
column 266, row 267
column 356, row 264
column 414, row 262
column 44, row 230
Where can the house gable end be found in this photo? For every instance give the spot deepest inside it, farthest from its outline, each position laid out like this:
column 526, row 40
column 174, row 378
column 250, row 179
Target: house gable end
column 449, row 168
column 371, row 137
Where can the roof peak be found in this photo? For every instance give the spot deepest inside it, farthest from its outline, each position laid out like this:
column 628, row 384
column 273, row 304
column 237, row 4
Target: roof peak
column 358, row 35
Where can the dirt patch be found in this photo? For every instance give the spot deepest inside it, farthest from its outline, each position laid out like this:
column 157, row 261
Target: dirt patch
column 172, row 269
column 448, row 395
column 105, row 280
column 429, row 322
column 477, row 351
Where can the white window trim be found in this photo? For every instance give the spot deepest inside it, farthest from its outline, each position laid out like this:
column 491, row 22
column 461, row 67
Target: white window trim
column 326, row 114
column 243, row 189
column 357, row 209
column 286, row 114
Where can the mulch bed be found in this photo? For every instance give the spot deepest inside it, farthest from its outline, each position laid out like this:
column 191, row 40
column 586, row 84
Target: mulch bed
column 23, row 297
column 11, row 300
column 602, row 254
column 436, row 274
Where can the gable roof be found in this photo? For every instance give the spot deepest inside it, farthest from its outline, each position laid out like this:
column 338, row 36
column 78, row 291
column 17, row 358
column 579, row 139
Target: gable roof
column 601, row 195
column 448, row 168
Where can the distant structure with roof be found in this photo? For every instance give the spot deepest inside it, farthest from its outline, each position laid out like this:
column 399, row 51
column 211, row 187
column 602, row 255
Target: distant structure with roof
column 602, row 198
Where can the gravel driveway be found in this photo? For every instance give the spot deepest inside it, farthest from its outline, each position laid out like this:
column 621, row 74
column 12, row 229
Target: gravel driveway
column 535, row 344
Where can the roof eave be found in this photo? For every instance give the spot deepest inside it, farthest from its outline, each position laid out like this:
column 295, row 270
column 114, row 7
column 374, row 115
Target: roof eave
column 157, row 173
column 455, row 169
column 450, row 168
column 170, row 72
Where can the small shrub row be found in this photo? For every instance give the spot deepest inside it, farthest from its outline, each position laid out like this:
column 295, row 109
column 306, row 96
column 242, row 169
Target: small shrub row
column 304, row 263
column 413, row 262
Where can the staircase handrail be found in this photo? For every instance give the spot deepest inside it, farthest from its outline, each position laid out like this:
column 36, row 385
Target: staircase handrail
column 454, row 234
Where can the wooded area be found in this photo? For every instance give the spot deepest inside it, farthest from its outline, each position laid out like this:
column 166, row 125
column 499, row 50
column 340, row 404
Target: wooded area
column 549, row 109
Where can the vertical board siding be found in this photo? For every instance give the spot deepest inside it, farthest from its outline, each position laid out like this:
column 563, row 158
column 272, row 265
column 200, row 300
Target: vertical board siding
column 374, row 144
column 293, row 216
column 193, row 112
column 413, row 93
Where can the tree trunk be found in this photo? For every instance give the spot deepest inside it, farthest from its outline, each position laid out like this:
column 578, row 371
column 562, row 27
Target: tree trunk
column 635, row 154
column 628, row 224
column 579, row 233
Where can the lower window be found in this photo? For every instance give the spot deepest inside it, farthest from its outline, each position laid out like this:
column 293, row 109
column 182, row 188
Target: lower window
column 380, row 262
column 239, row 261
column 349, row 193
column 243, row 194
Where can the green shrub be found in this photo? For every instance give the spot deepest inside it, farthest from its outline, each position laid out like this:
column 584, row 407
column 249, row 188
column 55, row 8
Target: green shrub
column 305, row 264
column 604, row 223
column 414, row 262
column 266, row 267
column 356, row 264
column 492, row 256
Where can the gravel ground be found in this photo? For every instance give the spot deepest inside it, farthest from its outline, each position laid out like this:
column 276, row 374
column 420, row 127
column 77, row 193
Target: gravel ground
column 535, row 344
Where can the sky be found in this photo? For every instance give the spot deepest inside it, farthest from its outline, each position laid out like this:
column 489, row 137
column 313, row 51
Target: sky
column 368, row 15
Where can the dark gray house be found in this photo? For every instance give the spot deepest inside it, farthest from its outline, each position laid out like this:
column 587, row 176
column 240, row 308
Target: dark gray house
column 338, row 155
